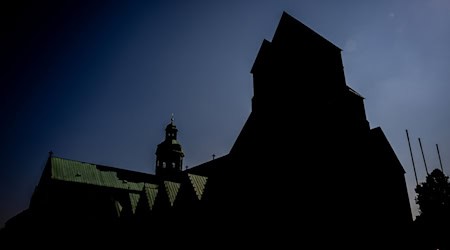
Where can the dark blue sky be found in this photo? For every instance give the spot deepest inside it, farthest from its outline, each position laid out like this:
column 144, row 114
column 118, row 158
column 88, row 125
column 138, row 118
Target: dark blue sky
column 97, row 82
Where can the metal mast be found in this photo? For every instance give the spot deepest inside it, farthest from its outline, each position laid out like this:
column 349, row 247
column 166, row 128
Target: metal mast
column 412, row 158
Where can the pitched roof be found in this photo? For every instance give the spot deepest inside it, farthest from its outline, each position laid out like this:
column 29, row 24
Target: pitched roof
column 296, row 35
column 134, row 200
column 291, row 29
column 87, row 173
column 151, row 191
column 210, row 167
column 172, row 190
column 199, row 183
column 141, row 187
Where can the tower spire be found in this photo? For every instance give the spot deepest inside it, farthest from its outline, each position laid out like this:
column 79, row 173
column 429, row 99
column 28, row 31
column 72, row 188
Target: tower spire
column 169, row 153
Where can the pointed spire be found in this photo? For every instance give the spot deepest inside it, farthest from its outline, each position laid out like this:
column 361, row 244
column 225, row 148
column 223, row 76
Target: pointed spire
column 171, row 119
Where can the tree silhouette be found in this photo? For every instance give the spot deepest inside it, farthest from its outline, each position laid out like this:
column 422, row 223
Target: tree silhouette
column 433, row 198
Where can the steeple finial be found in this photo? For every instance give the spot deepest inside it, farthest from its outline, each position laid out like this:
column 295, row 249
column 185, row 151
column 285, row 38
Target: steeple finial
column 171, row 119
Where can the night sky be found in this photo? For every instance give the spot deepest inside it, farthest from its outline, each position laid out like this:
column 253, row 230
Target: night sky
column 98, row 82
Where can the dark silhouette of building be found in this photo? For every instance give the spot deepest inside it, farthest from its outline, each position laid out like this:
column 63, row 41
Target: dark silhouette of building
column 306, row 169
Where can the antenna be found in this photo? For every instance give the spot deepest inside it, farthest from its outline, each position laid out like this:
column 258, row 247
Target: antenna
column 439, row 155
column 423, row 156
column 412, row 158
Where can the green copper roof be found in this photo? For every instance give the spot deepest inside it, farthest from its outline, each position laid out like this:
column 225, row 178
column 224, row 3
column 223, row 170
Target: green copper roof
column 151, row 191
column 80, row 172
column 199, row 183
column 134, row 199
column 172, row 190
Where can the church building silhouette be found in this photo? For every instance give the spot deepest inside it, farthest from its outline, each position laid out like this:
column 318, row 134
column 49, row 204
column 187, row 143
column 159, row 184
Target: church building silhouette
column 305, row 166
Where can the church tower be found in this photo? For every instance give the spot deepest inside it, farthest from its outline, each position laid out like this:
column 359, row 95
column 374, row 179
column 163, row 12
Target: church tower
column 169, row 154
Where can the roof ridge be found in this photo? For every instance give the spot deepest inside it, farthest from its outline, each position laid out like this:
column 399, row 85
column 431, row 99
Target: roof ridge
column 104, row 166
